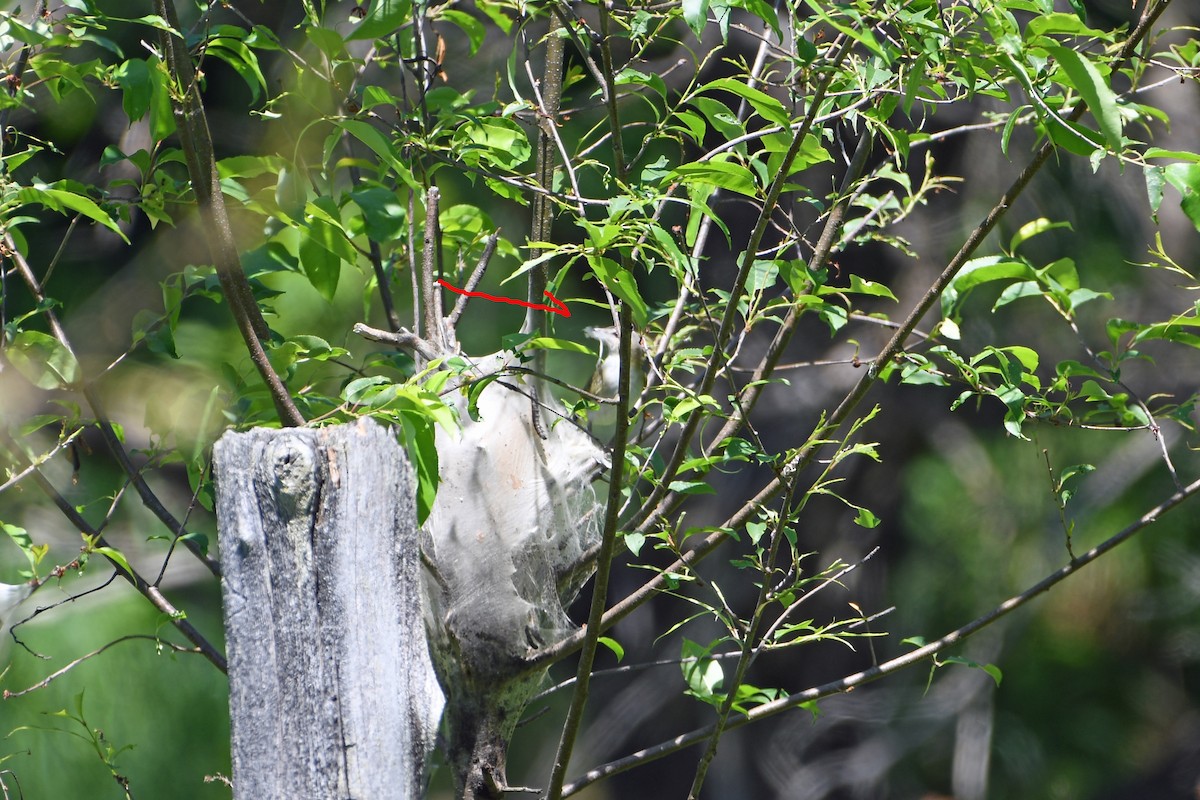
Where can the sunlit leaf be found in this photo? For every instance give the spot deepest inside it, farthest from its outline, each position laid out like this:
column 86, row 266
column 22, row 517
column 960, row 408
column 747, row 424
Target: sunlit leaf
column 43, row 360
column 1094, row 89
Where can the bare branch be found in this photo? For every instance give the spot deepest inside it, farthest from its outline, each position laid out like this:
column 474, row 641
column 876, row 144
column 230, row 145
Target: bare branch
column 401, row 338
column 144, row 587
column 46, row 681
column 930, row 650
column 197, row 145
column 103, row 422
column 460, row 305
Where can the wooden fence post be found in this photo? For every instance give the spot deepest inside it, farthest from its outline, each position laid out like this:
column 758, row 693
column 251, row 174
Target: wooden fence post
column 332, row 693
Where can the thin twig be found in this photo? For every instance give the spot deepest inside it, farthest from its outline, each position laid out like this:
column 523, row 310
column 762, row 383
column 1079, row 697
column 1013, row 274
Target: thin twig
column 748, row 648
column 808, row 595
column 144, row 587
column 625, row 669
column 46, row 681
column 34, row 464
column 18, row 70
column 103, row 421
column 591, row 632
column 460, row 305
column 704, row 547
column 401, row 338
column 850, row 682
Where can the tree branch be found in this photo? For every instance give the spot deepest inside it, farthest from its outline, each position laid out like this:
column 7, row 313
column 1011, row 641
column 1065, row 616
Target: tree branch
column 46, row 681
column 850, row 682
column 143, row 587
column 841, row 414
column 196, row 141
column 115, row 446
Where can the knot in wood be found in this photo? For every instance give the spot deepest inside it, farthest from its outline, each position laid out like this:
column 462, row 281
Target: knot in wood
column 292, row 469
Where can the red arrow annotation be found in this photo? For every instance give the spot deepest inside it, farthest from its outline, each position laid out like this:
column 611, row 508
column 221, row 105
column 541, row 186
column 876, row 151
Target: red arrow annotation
column 559, row 306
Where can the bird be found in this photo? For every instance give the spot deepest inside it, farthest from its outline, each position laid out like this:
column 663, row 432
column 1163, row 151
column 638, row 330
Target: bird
column 11, row 596
column 606, row 379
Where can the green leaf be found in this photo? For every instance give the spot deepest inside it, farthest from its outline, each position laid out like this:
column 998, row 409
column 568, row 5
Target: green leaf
column 137, row 88
column 691, row 487
column 470, row 26
column 767, row 107
column 249, row 166
column 1186, row 178
column 613, row 645
column 291, row 191
column 162, row 113
column 114, row 555
column 634, row 541
column 858, row 30
column 43, row 360
column 1015, row 291
column 621, row 283
column 695, row 14
column 236, row 54
column 1060, row 23
column 1080, row 296
column 977, row 272
column 1026, row 355
column 152, row 20
column 866, row 518
column 383, row 17
column 858, row 286
column 693, row 125
column 1173, row 331
column 701, row 671
column 155, row 331
column 63, row 200
column 630, row 76
column 492, row 141
column 720, row 116
column 1077, row 469
column 419, row 440
column 1032, row 229
column 722, row 174
column 548, row 343
column 24, row 541
column 359, row 390
column 496, row 13
column 1177, row 155
column 383, row 213
column 763, row 10
column 763, row 275
column 318, row 258
column 1094, row 89
column 990, row 669
column 382, row 147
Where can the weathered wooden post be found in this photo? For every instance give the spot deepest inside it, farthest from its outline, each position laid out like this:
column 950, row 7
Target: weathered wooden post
column 332, row 692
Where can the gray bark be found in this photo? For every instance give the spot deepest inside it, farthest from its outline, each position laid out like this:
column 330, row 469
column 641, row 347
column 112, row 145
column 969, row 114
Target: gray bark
column 332, row 693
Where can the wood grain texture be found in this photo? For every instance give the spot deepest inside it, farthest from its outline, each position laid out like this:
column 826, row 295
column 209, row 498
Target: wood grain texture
column 332, row 693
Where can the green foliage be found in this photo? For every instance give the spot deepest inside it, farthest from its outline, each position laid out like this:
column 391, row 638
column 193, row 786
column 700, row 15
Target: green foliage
column 734, row 220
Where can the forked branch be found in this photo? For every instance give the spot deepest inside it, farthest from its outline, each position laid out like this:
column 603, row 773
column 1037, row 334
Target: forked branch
column 917, row 656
